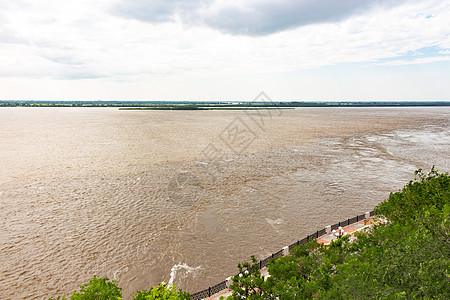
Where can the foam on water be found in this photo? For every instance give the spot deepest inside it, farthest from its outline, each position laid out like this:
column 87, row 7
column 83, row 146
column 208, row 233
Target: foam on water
column 178, row 267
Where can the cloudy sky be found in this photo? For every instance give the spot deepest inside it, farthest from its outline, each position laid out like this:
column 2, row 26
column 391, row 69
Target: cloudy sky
column 225, row 49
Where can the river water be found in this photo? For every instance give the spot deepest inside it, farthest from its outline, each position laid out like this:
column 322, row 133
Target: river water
column 182, row 196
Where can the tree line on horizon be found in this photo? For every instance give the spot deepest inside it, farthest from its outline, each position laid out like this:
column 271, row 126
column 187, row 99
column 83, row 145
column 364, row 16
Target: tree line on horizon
column 214, row 104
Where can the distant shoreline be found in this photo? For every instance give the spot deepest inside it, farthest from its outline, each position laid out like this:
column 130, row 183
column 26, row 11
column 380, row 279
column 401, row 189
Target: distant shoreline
column 217, row 105
column 183, row 107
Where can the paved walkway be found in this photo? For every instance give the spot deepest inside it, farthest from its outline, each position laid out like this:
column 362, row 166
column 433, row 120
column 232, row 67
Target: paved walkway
column 325, row 239
column 358, row 226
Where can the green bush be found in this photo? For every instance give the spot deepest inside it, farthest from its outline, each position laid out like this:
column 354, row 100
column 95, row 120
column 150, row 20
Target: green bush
column 98, row 289
column 103, row 289
column 163, row 291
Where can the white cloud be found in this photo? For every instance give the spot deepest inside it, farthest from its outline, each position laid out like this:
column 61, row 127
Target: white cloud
column 72, row 40
column 417, row 61
column 252, row 17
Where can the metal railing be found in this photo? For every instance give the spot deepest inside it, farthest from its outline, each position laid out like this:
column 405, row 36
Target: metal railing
column 263, row 262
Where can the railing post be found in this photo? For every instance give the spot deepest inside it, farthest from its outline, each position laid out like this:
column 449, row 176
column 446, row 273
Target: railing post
column 209, row 292
column 260, row 264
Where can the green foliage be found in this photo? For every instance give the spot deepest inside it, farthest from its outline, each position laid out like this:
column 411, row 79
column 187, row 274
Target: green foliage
column 248, row 284
column 103, row 289
column 163, row 291
column 409, row 257
column 98, row 289
column 426, row 192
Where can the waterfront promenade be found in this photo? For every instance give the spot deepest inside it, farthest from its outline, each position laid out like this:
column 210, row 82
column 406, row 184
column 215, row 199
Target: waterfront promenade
column 325, row 239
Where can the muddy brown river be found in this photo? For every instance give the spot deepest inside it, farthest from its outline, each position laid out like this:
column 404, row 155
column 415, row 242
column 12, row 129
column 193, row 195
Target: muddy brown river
column 182, row 196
